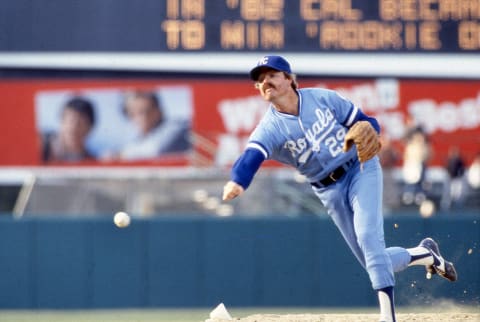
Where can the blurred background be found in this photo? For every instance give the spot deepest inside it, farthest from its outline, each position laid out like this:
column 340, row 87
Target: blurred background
column 144, row 106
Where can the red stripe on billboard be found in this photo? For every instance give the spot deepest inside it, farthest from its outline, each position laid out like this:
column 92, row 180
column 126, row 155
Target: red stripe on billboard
column 221, row 114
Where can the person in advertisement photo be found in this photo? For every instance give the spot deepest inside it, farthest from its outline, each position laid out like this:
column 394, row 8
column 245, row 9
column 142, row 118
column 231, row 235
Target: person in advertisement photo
column 68, row 144
column 151, row 134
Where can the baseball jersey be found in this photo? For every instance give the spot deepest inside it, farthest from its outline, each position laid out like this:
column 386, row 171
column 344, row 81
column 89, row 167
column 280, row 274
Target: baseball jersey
column 311, row 141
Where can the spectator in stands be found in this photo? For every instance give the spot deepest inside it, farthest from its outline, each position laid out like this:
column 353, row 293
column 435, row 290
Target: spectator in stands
column 153, row 135
column 454, row 187
column 389, row 157
column 473, row 173
column 68, row 144
column 415, row 157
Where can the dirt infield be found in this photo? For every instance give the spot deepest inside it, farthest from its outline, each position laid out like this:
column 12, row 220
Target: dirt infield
column 416, row 317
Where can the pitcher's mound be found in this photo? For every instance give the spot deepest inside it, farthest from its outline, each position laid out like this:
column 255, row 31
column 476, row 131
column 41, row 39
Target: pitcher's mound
column 416, row 317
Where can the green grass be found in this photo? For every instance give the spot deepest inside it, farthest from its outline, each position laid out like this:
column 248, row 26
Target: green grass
column 182, row 315
column 134, row 315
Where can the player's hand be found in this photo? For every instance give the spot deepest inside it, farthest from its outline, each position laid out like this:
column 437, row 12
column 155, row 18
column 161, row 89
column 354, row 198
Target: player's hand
column 232, row 190
column 364, row 136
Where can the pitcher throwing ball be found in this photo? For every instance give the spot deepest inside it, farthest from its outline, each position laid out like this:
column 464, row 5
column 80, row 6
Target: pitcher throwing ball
column 334, row 144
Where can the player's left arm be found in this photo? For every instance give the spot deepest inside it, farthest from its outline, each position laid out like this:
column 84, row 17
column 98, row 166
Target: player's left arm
column 362, row 130
column 363, row 117
column 364, row 133
column 348, row 113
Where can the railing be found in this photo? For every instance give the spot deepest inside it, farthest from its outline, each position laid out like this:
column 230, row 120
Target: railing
column 149, row 191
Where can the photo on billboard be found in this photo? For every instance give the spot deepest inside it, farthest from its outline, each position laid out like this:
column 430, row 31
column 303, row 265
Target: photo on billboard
column 105, row 125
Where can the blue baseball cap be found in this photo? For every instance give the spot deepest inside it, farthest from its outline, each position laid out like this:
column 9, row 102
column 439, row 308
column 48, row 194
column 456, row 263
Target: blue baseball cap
column 274, row 62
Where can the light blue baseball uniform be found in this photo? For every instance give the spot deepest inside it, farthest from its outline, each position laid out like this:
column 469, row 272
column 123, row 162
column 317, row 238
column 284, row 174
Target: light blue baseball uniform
column 312, row 143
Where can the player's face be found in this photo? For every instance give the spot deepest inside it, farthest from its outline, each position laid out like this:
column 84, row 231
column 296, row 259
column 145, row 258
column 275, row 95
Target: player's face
column 273, row 84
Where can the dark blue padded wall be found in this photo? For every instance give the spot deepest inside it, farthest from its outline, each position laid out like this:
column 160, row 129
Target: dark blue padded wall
column 200, row 262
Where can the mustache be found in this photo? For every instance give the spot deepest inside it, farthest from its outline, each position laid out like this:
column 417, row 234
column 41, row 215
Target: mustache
column 268, row 85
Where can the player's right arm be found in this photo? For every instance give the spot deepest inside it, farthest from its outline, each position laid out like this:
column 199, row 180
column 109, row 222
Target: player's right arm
column 243, row 172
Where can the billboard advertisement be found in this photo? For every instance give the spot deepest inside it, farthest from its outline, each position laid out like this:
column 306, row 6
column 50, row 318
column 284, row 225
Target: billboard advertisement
column 205, row 122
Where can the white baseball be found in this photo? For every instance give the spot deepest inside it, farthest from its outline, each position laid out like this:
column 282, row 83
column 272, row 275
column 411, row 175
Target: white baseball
column 121, row 219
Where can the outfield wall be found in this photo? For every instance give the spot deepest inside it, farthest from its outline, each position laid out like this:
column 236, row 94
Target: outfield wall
column 197, row 262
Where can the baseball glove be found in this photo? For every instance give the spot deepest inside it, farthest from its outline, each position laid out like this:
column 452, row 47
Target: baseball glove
column 365, row 138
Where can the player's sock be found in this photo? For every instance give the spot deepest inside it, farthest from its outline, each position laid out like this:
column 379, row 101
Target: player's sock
column 387, row 304
column 420, row 256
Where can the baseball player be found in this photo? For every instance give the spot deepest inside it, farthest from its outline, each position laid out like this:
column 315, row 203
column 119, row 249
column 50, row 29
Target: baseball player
column 334, row 145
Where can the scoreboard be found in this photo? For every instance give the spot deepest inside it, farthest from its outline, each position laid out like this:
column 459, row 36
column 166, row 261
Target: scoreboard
column 301, row 26
column 322, row 25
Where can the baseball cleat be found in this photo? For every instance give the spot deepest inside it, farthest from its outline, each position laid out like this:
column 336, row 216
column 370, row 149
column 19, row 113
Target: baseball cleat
column 440, row 266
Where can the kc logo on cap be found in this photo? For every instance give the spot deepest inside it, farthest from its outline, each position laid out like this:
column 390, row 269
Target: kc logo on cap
column 263, row 61
column 274, row 62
